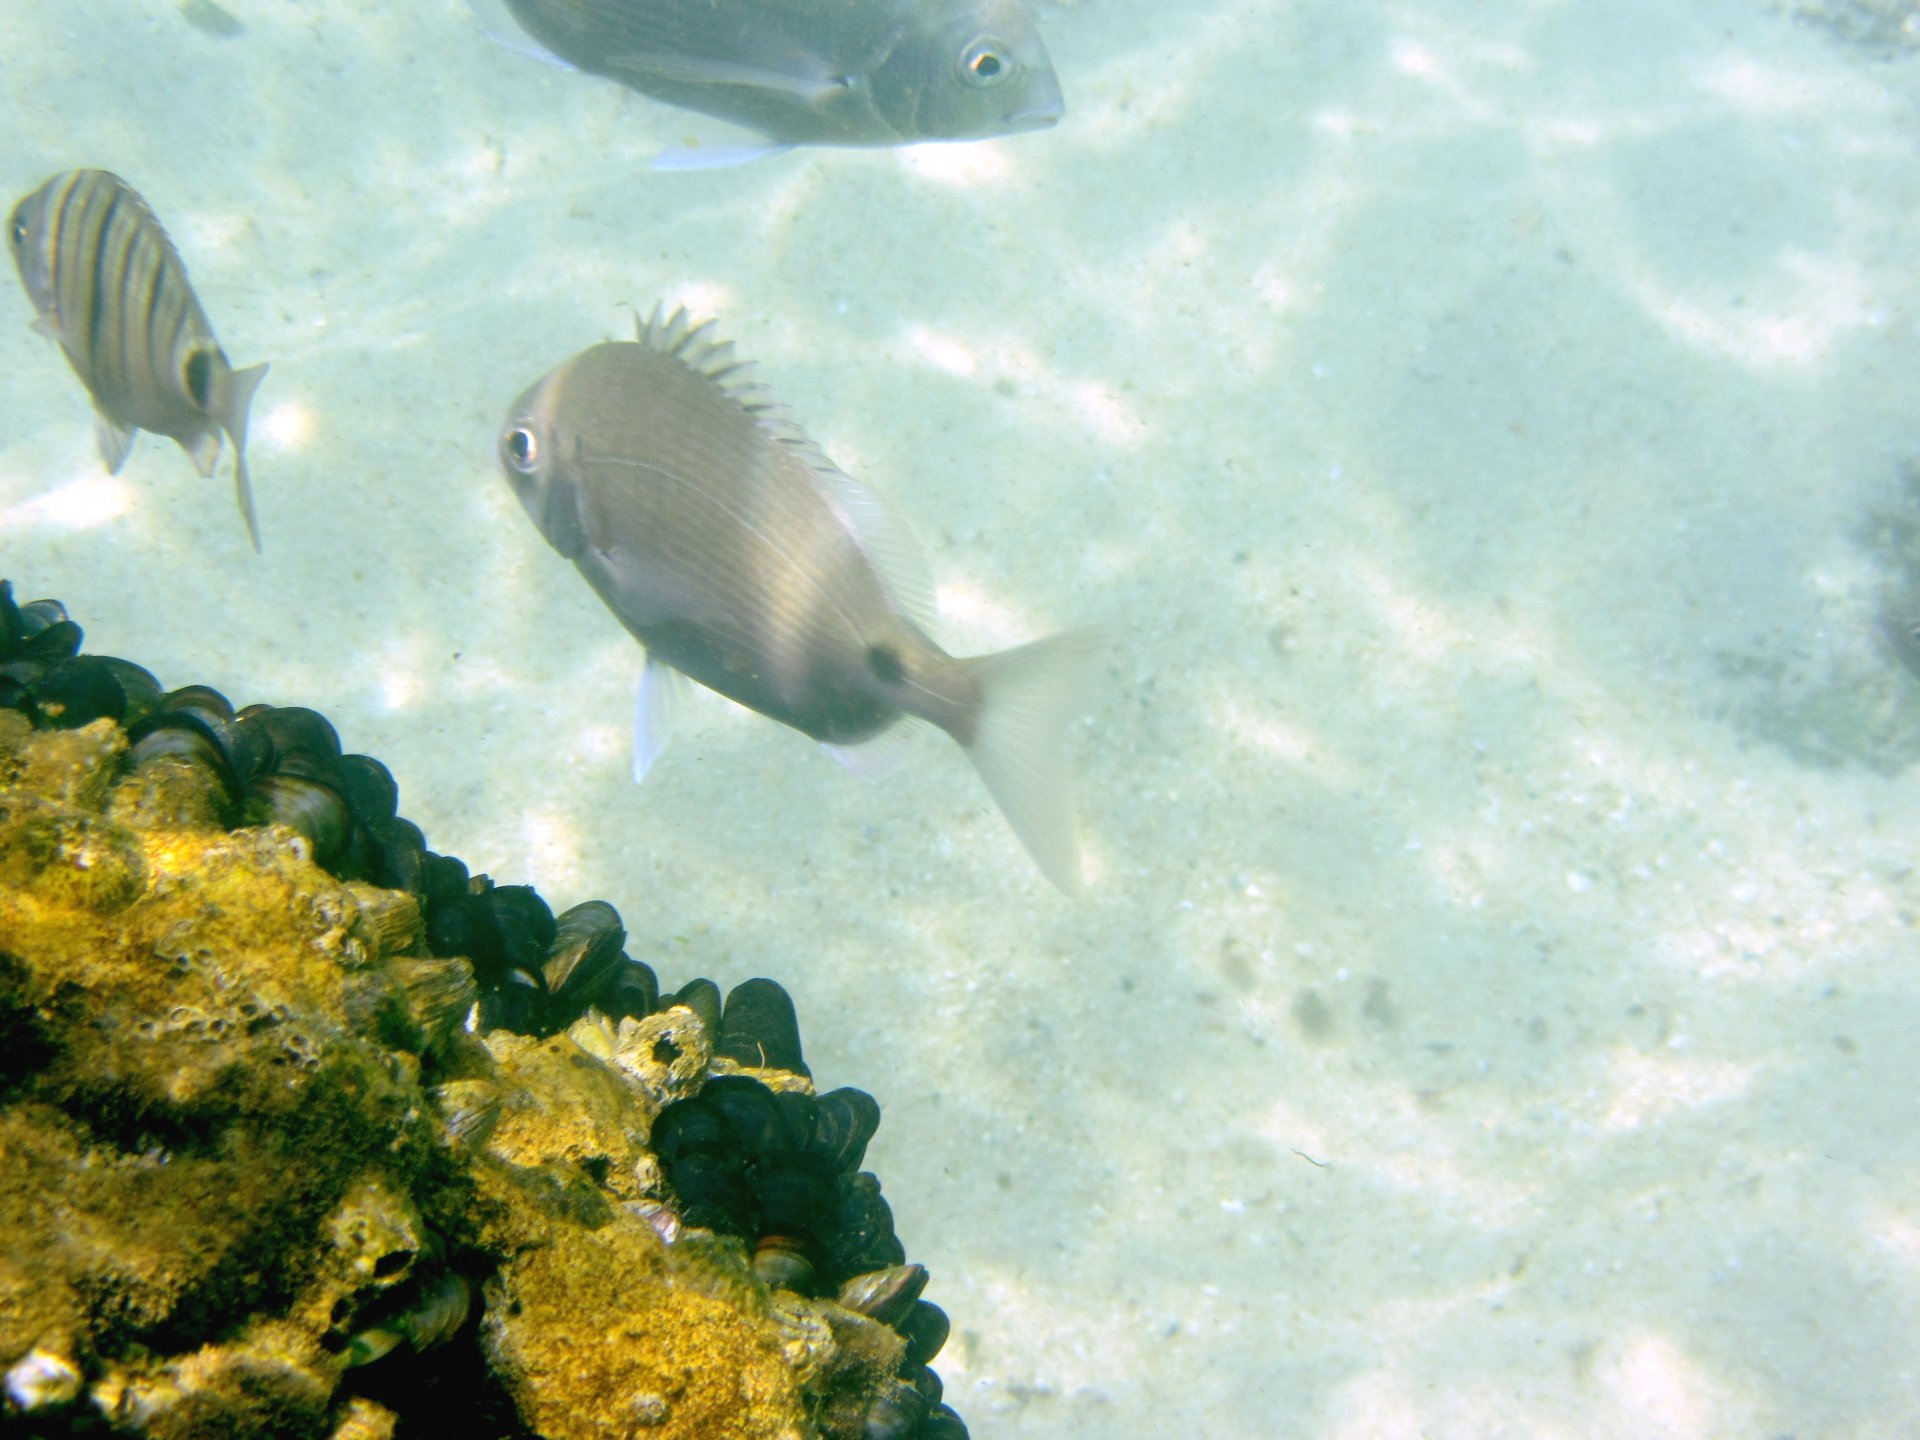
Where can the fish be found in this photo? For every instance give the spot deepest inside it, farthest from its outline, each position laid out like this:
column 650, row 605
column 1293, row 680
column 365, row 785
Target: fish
column 107, row 285
column 806, row 72
column 742, row 558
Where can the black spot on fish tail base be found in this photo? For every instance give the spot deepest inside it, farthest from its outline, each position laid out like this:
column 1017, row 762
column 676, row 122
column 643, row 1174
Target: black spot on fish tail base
column 885, row 663
column 198, row 375
column 778, row 1169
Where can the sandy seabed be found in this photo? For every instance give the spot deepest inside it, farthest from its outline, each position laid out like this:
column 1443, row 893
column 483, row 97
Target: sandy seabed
column 1492, row 436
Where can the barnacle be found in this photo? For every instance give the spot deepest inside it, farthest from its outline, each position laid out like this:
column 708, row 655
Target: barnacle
column 310, row 1131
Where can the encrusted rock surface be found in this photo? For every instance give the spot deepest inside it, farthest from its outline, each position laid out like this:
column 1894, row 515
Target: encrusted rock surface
column 257, row 1178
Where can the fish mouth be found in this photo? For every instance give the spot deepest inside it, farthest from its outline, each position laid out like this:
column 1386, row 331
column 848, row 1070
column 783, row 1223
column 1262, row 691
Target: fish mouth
column 1043, row 116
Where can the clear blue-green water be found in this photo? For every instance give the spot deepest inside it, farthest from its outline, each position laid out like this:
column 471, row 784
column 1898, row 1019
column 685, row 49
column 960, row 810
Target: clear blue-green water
column 1492, row 436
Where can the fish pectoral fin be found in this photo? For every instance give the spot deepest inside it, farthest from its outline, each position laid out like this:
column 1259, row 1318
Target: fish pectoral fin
column 116, row 442
column 505, row 31
column 663, row 693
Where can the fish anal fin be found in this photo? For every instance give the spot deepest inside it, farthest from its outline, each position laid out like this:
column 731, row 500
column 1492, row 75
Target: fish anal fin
column 115, row 442
column 231, row 406
column 879, row 756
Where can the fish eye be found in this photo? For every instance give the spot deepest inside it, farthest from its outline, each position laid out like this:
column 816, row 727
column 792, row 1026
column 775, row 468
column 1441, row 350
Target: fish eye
column 20, row 232
column 523, row 449
column 982, row 64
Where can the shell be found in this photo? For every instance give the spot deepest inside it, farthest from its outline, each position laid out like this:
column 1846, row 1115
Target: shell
column 440, row 994
column 314, row 809
column 759, row 1030
column 584, row 955
column 925, row 1327
column 885, row 1295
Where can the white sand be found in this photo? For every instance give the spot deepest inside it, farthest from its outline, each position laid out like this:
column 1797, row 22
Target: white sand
column 1482, row 424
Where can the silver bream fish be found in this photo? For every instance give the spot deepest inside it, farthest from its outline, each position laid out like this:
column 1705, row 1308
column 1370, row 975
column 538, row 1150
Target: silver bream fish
column 809, row 72
column 108, row 286
column 740, row 556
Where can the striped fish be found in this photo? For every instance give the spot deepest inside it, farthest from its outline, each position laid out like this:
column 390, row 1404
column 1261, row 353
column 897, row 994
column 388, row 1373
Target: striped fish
column 109, row 287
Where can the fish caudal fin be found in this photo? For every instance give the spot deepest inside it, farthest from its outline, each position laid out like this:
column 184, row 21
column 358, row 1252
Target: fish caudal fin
column 1028, row 698
column 232, row 415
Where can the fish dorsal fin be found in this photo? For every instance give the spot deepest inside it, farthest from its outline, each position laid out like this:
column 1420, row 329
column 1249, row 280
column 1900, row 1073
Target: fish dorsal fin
column 883, row 536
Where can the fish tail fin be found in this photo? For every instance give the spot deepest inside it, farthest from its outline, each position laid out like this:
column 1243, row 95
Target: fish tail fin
column 234, row 406
column 1028, row 697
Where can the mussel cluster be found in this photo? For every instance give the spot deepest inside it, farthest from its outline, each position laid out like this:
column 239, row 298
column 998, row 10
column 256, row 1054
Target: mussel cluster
column 772, row 1164
column 781, row 1170
column 537, row 973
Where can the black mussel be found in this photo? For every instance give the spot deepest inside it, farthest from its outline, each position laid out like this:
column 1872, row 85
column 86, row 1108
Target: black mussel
column 843, row 1122
column 864, row 1239
column 706, row 1166
column 700, row 996
column 75, row 692
column 897, row 1414
column 797, row 1215
column 762, row 1123
column 403, row 855
column 759, row 1029
column 138, row 685
column 59, row 640
column 205, row 704
column 10, row 630
column 631, row 991
column 313, row 809
column 439, row 1312
column 183, row 735
column 927, row 1382
column 464, row 925
column 518, row 1003
column 943, row 1424
column 368, row 788
column 443, row 877
column 584, row 956
column 295, row 741
column 925, row 1329
column 525, row 923
column 885, row 1295
column 786, row 1262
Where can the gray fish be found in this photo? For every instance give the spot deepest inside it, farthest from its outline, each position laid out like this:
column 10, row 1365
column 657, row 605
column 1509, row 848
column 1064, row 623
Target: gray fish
column 109, row 287
column 810, row 72
column 741, row 557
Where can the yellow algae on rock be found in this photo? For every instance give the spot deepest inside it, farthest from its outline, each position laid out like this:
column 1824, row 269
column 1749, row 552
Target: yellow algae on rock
column 642, row 1350
column 560, row 1106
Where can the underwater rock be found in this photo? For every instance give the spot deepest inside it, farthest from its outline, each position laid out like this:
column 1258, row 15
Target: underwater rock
column 309, row 1132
